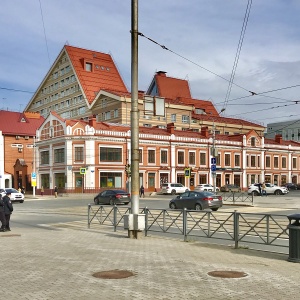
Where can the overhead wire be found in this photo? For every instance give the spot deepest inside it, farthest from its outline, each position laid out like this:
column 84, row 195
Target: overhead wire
column 238, row 52
column 41, row 10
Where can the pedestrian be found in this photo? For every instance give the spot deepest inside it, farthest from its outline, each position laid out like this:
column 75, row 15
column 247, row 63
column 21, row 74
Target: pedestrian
column 259, row 188
column 23, row 190
column 19, row 190
column 2, row 215
column 142, row 191
column 55, row 191
column 264, row 190
column 42, row 191
column 8, row 209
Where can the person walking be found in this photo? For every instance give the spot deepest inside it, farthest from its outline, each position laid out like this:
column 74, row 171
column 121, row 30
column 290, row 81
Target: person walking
column 259, row 188
column 142, row 191
column 55, row 191
column 2, row 215
column 8, row 209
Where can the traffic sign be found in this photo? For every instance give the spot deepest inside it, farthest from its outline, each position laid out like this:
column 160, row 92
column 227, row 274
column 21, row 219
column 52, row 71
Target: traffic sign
column 33, row 175
column 213, row 168
column 82, row 171
column 213, row 160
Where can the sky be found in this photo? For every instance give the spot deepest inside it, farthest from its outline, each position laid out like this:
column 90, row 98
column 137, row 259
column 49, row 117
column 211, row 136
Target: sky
column 202, row 38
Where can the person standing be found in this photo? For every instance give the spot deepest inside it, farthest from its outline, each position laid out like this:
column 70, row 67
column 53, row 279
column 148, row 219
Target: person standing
column 8, row 209
column 55, row 191
column 264, row 190
column 2, row 215
column 142, row 191
column 259, row 185
column 42, row 191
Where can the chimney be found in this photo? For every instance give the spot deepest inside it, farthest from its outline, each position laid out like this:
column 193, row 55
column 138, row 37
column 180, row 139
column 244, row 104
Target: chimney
column 93, row 121
column 204, row 131
column 161, row 73
column 171, row 128
column 278, row 138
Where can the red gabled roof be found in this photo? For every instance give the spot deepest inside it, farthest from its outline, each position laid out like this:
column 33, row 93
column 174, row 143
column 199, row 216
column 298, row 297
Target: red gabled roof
column 16, row 123
column 169, row 87
column 104, row 74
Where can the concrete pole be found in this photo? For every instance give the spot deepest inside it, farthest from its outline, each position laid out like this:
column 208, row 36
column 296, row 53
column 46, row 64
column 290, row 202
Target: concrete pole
column 137, row 220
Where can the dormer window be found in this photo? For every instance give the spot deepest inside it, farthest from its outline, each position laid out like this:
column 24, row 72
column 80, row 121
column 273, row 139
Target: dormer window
column 253, row 141
column 88, row 66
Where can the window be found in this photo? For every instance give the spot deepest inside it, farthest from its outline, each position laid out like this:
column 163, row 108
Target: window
column 268, row 161
column 180, row 157
column 110, row 154
column 192, row 158
column 253, row 159
column 276, row 163
column 203, row 159
column 185, row 119
column 227, row 159
column 151, row 156
column 59, row 155
column 253, row 141
column 163, row 156
column 173, row 117
column 107, row 115
column 116, row 113
column 88, row 67
column 283, row 162
column 237, row 160
column 141, row 155
column 78, row 157
column 44, row 157
column 294, row 162
column 218, row 158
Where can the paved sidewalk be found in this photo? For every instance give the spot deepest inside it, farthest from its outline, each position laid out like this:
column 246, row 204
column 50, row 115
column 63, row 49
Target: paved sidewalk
column 58, row 263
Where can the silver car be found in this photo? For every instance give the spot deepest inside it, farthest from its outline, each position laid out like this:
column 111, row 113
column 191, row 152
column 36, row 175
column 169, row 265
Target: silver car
column 173, row 188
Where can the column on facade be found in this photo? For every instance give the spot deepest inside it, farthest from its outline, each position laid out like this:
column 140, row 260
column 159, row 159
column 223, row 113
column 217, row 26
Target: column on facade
column 244, row 162
column 173, row 160
column 90, row 163
column 262, row 159
column 290, row 163
column 69, row 164
column 210, row 156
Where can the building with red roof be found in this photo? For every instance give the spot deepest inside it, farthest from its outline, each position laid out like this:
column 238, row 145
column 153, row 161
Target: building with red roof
column 84, row 155
column 84, row 82
column 17, row 132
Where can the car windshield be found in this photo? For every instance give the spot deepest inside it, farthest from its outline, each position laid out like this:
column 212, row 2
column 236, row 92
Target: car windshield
column 11, row 190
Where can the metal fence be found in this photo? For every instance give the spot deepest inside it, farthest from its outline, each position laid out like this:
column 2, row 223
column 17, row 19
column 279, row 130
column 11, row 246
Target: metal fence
column 268, row 231
column 237, row 198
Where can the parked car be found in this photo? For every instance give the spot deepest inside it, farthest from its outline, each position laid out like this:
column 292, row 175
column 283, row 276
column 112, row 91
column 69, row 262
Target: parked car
column 291, row 186
column 15, row 195
column 112, row 197
column 173, row 188
column 270, row 189
column 205, row 187
column 197, row 201
column 230, row 188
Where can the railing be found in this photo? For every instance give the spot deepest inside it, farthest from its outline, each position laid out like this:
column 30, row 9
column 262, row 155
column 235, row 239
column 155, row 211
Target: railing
column 241, row 198
column 250, row 228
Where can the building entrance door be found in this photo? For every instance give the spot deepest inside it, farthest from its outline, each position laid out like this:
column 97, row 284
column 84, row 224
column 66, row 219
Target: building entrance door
column 151, row 182
column 79, row 183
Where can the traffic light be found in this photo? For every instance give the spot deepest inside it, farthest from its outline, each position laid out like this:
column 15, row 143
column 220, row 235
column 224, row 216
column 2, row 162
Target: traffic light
column 128, row 169
column 187, row 172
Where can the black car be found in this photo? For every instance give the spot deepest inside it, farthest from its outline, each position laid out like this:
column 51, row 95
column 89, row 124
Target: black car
column 197, row 201
column 291, row 186
column 112, row 197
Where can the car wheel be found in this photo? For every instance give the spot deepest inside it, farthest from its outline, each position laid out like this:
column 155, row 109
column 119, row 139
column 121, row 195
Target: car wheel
column 21, row 201
column 111, row 202
column 198, row 207
column 172, row 206
column 214, row 209
column 96, row 201
column 278, row 192
column 173, row 192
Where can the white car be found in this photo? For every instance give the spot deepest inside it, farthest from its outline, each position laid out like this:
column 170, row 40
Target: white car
column 270, row 189
column 173, row 188
column 15, row 195
column 205, row 187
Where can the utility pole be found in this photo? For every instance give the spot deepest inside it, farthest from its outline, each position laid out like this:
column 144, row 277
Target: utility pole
column 134, row 222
